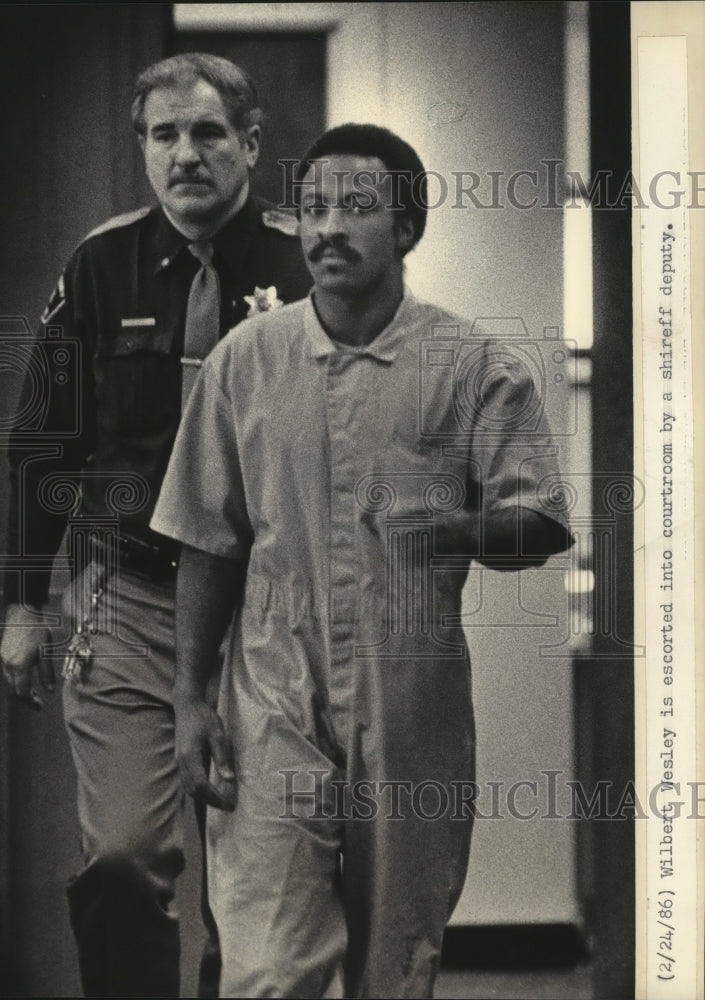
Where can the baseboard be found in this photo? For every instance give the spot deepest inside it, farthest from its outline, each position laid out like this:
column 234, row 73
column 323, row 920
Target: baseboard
column 514, row 946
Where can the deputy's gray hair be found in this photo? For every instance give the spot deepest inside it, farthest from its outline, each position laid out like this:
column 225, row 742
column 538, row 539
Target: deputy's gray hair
column 236, row 89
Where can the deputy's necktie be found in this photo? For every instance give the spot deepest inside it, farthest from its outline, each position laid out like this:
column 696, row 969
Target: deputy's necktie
column 202, row 328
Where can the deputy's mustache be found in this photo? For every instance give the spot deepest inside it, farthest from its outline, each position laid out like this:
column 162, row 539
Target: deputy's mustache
column 337, row 246
column 188, row 179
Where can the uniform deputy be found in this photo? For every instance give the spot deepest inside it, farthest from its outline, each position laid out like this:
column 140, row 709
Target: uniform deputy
column 141, row 302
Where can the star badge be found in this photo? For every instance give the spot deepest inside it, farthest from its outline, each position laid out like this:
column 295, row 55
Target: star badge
column 262, row 300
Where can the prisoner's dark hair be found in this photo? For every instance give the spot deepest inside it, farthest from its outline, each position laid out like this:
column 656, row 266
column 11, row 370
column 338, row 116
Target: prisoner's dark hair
column 397, row 156
column 236, row 89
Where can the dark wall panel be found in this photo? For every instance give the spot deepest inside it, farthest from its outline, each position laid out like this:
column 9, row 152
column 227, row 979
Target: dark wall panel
column 69, row 162
column 607, row 685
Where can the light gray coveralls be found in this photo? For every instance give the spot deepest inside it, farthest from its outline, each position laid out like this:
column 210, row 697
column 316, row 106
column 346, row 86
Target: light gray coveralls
column 348, row 667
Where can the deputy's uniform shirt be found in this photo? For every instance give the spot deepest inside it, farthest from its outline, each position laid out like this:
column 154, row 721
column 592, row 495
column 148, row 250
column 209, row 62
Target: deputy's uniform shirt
column 104, row 382
column 325, row 468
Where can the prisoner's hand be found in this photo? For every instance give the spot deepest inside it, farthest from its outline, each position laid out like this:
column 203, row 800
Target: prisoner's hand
column 20, row 654
column 455, row 532
column 199, row 737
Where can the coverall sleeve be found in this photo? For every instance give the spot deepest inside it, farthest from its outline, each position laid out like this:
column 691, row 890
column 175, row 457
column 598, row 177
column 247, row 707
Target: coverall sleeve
column 514, row 454
column 202, row 500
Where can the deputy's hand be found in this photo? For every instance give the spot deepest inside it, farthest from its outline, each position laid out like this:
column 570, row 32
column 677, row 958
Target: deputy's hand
column 20, row 654
column 200, row 737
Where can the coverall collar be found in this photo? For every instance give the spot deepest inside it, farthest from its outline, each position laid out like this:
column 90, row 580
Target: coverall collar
column 385, row 346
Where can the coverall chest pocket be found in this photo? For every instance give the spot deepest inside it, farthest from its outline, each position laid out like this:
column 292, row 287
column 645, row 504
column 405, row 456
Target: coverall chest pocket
column 138, row 380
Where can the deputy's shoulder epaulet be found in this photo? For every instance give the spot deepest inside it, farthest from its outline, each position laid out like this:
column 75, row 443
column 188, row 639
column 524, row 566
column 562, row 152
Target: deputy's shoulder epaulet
column 285, row 222
column 118, row 222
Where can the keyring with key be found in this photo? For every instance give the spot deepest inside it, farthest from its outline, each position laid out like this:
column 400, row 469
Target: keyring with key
column 80, row 652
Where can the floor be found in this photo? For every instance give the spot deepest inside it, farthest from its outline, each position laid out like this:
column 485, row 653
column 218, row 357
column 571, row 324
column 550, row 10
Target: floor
column 533, row 984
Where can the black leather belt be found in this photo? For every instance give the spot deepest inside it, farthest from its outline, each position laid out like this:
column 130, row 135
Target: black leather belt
column 151, row 560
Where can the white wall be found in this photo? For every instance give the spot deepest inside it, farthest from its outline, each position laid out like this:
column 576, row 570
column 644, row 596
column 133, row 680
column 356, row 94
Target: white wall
column 479, row 87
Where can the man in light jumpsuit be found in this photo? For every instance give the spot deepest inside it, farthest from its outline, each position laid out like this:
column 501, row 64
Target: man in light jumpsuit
column 332, row 499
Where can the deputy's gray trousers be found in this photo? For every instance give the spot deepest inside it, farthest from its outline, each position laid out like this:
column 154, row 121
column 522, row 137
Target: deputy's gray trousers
column 121, row 730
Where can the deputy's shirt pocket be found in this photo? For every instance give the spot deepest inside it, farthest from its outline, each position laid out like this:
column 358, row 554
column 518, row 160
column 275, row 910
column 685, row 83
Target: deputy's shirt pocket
column 137, row 378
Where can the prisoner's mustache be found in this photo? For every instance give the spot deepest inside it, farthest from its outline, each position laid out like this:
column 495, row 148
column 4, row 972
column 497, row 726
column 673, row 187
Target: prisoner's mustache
column 338, row 247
